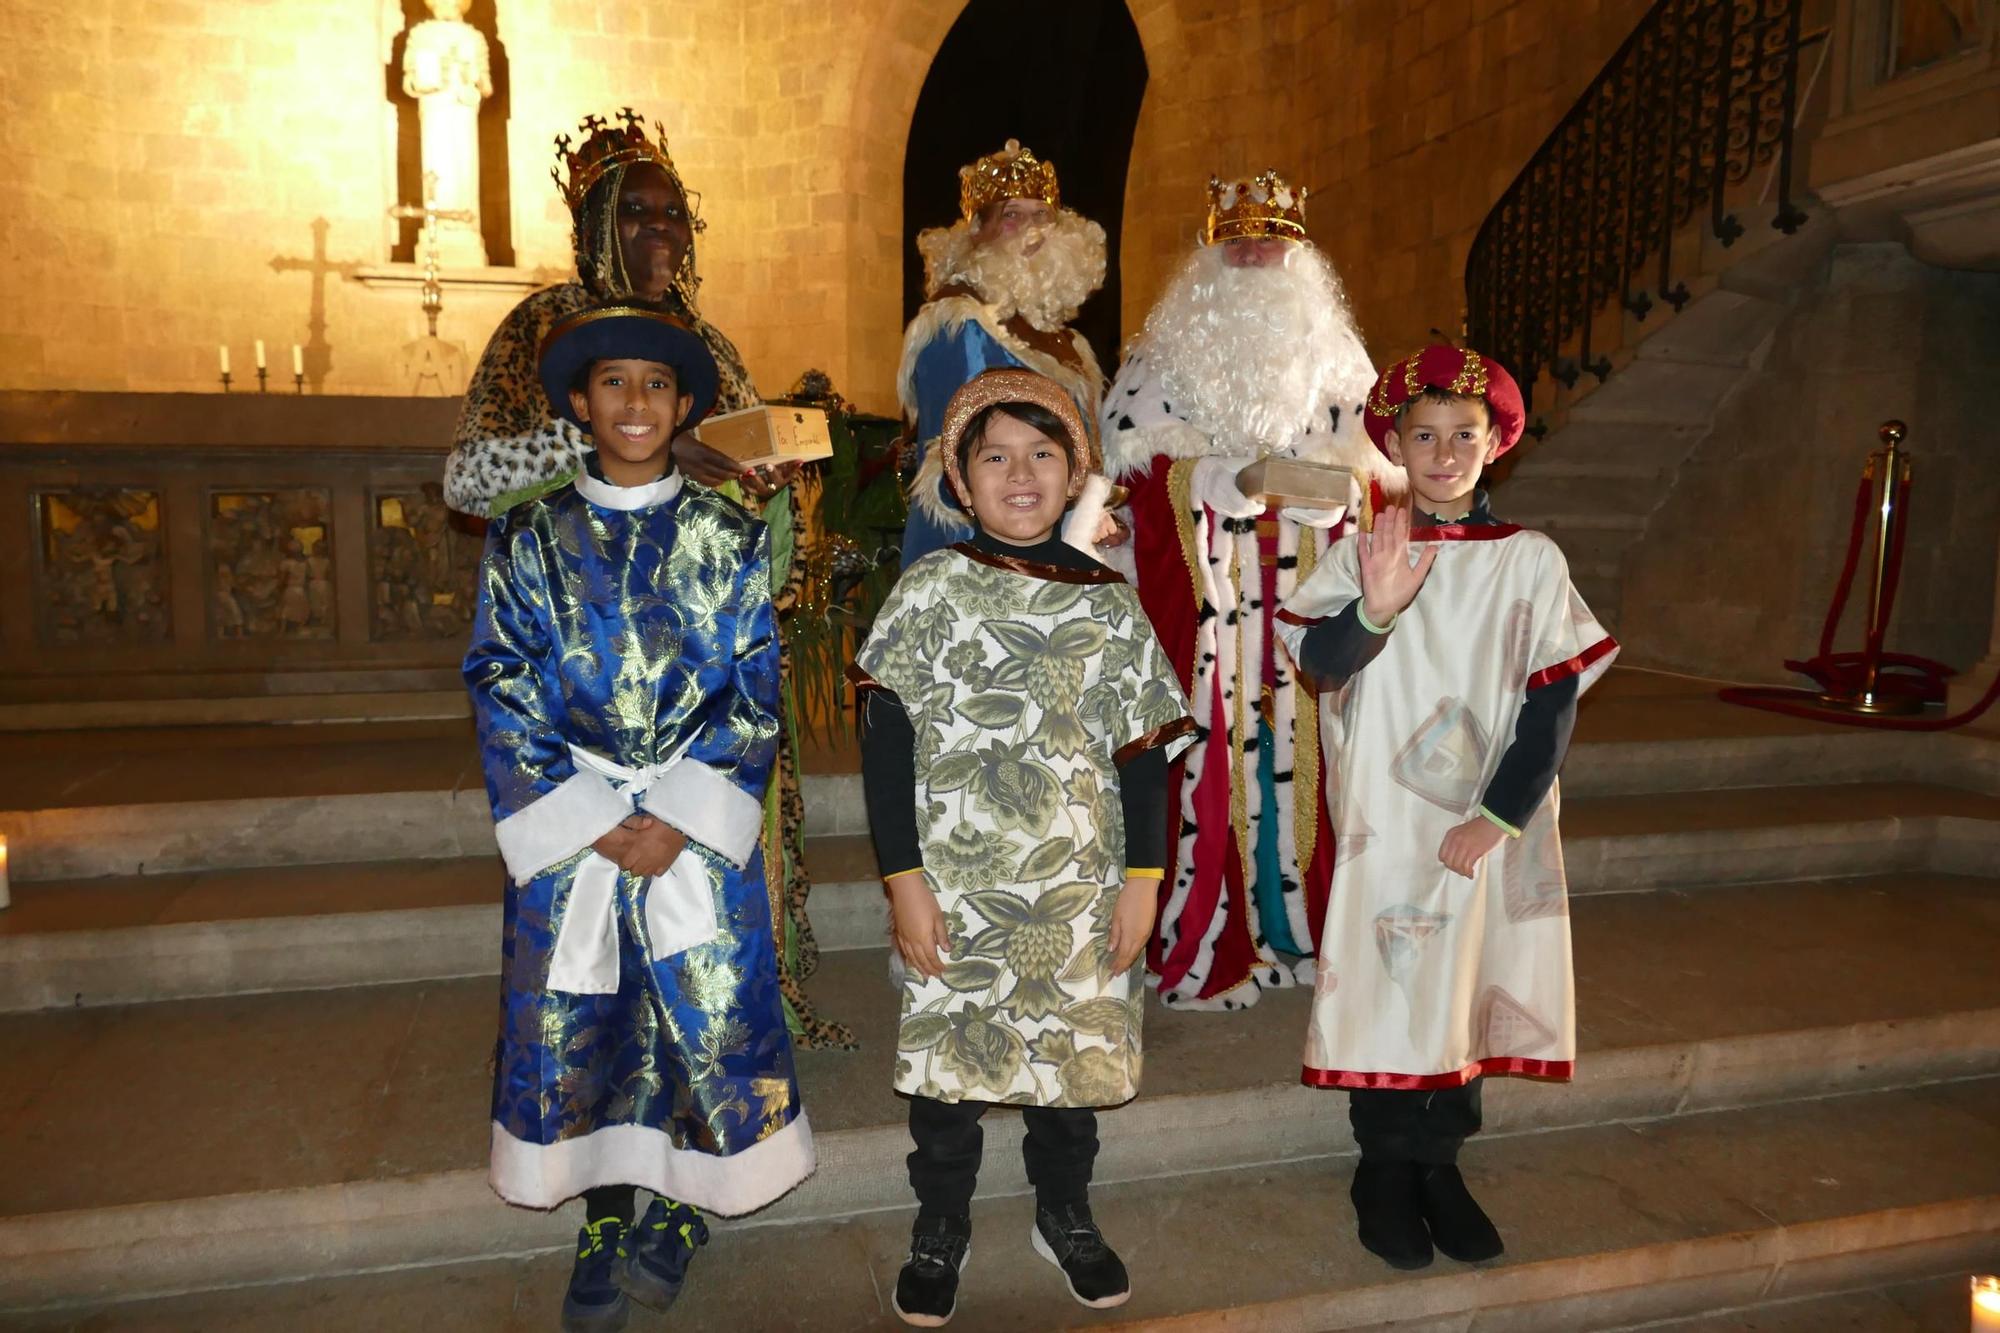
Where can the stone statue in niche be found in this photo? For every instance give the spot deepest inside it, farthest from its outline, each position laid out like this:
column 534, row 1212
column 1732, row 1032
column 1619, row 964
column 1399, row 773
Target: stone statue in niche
column 446, row 69
column 102, row 575
column 423, row 572
column 266, row 551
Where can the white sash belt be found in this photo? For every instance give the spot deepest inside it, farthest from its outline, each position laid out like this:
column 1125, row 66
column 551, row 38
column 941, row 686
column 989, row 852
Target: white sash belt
column 679, row 906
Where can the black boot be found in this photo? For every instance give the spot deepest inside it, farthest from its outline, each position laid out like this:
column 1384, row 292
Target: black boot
column 1388, row 1204
column 1459, row 1226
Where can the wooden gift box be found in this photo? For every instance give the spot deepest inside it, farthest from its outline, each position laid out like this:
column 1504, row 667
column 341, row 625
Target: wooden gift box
column 1293, row 481
column 768, row 434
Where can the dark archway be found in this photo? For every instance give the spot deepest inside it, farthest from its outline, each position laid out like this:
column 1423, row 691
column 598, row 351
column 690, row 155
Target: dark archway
column 1065, row 77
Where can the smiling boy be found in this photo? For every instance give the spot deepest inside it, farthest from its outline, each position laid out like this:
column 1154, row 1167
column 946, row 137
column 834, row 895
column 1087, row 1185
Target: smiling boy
column 624, row 678
column 1020, row 716
column 1446, row 953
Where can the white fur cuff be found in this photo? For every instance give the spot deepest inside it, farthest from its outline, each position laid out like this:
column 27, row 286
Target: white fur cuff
column 559, row 825
column 542, row 1175
column 709, row 808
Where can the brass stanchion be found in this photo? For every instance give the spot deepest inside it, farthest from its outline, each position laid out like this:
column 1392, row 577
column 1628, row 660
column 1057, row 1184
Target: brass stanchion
column 1892, row 464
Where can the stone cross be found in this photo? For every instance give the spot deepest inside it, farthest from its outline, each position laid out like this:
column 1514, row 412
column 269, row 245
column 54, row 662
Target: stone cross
column 429, row 237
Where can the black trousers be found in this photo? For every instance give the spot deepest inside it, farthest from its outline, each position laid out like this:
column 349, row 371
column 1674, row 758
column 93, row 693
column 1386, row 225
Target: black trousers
column 1059, row 1151
column 1427, row 1126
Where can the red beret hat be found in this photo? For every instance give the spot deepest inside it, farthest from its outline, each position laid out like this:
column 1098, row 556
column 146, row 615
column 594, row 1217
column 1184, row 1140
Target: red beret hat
column 1457, row 370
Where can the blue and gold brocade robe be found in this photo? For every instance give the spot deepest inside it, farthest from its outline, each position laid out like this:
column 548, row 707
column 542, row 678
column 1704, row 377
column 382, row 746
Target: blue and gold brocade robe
column 625, row 657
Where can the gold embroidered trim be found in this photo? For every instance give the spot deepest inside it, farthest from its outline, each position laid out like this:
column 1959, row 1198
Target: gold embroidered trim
column 1305, row 742
column 1180, row 494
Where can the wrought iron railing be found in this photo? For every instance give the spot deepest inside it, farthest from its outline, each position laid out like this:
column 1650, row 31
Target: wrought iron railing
column 1699, row 97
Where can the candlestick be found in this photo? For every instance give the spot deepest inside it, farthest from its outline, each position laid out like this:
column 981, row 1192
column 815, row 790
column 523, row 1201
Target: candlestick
column 262, row 374
column 1986, row 1304
column 6, row 895
column 298, row 382
column 225, row 381
column 225, row 360
column 260, row 354
column 298, row 360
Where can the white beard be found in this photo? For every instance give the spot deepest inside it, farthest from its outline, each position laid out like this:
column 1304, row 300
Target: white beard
column 1252, row 356
column 1046, row 288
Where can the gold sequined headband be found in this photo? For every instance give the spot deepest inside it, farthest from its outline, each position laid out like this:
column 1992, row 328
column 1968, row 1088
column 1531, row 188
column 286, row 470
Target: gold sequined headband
column 1010, row 384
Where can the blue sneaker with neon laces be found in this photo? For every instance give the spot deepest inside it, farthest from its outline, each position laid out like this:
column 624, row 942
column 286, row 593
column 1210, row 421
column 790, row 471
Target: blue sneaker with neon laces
column 594, row 1303
column 654, row 1256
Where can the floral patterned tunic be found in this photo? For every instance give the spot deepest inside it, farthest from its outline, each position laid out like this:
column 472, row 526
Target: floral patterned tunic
column 1026, row 685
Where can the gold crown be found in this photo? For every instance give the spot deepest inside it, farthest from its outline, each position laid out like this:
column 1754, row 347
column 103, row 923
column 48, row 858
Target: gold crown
column 605, row 146
column 1012, row 173
column 1261, row 206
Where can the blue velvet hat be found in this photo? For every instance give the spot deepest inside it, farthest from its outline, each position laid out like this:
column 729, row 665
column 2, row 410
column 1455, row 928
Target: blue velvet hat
column 626, row 333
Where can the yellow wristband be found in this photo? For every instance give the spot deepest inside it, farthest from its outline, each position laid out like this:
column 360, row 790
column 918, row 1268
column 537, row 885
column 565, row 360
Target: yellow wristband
column 1499, row 823
column 1145, row 872
column 1361, row 614
column 913, row 870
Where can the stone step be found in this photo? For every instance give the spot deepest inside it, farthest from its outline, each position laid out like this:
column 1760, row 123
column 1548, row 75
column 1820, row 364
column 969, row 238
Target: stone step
column 133, row 939
column 1607, row 1226
column 1609, row 448
column 145, row 938
column 1928, row 1305
column 1664, row 393
column 278, row 799
column 1722, row 327
column 288, row 1136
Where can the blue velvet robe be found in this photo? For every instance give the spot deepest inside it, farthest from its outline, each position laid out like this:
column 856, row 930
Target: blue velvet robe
column 625, row 656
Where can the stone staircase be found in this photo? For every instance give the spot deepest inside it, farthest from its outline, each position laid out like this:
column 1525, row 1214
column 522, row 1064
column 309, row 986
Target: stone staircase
column 246, row 991
column 1611, row 449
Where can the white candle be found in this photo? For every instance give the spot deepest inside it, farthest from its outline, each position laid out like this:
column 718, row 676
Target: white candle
column 6, row 896
column 225, row 358
column 1986, row 1304
column 260, row 354
column 298, row 360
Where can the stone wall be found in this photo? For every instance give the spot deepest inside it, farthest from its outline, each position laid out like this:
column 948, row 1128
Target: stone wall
column 164, row 155
column 1406, row 119
column 1741, row 560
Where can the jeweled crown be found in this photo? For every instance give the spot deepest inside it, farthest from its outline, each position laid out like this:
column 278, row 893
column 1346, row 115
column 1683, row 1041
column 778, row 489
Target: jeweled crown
column 1012, row 173
column 1260, row 206
column 606, row 145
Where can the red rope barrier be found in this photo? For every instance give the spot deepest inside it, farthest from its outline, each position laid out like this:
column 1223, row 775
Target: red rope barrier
column 1807, row 704
column 1863, row 495
column 1896, row 675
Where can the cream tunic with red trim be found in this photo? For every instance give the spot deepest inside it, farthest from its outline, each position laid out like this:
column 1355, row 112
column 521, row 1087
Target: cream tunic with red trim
column 1426, row 978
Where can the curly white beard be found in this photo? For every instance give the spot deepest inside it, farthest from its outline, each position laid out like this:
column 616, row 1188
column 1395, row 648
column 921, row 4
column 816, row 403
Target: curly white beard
column 1046, row 288
column 1250, row 355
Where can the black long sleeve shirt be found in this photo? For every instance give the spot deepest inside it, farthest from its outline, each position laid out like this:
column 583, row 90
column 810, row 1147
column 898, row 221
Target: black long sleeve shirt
column 889, row 767
column 1335, row 649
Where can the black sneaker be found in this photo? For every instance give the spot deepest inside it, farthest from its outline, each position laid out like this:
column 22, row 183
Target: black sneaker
column 1069, row 1239
column 1459, row 1227
column 655, row 1254
column 927, row 1288
column 593, row 1303
column 1388, row 1206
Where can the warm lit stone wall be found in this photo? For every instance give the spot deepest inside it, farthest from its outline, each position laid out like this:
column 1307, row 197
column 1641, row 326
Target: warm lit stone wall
column 1406, row 119
column 162, row 154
